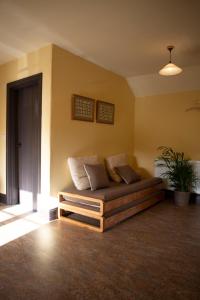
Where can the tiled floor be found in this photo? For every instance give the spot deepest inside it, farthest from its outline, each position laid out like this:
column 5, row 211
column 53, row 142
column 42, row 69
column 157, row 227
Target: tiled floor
column 153, row 255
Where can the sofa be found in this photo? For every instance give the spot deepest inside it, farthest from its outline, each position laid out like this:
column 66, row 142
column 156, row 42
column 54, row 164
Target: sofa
column 101, row 209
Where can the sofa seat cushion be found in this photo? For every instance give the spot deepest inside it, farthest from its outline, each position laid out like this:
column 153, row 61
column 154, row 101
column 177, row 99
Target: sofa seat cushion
column 117, row 190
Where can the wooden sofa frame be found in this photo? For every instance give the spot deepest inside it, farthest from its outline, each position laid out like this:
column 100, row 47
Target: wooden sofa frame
column 122, row 207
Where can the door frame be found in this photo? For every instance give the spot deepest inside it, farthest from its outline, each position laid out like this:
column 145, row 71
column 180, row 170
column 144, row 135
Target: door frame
column 12, row 181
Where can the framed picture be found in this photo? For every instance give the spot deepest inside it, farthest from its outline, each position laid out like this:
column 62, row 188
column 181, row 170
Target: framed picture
column 83, row 108
column 105, row 112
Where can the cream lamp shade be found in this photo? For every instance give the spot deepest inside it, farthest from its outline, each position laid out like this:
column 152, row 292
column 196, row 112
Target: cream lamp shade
column 170, row 69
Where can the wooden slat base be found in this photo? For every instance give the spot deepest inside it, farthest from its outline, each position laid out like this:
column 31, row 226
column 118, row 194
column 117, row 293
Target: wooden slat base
column 152, row 196
column 115, row 219
column 81, row 224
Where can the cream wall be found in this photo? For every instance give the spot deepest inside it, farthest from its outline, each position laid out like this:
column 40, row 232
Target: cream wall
column 141, row 124
column 163, row 120
column 72, row 74
column 32, row 63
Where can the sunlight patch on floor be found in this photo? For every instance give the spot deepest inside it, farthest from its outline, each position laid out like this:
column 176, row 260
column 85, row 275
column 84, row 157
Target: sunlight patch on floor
column 37, row 218
column 16, row 229
column 5, row 216
column 26, row 222
column 17, row 210
column 18, row 220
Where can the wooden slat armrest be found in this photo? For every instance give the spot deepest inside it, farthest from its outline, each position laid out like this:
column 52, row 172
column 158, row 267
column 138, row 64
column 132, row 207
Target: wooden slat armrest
column 81, row 197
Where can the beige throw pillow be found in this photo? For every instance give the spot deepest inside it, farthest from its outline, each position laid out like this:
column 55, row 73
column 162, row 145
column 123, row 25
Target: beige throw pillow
column 78, row 174
column 116, row 161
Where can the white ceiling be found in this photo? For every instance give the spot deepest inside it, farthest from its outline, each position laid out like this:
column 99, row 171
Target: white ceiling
column 126, row 36
column 154, row 84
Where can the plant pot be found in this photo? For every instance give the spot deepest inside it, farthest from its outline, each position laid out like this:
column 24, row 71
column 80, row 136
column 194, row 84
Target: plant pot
column 181, row 198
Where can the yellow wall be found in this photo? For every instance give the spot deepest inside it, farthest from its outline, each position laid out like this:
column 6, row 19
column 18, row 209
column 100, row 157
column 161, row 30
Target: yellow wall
column 72, row 74
column 141, row 124
column 63, row 75
column 161, row 120
column 32, row 63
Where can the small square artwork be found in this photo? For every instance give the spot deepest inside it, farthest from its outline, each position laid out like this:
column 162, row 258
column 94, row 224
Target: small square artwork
column 105, row 112
column 83, row 108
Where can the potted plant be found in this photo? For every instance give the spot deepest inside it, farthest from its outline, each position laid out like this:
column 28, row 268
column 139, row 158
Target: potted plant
column 179, row 172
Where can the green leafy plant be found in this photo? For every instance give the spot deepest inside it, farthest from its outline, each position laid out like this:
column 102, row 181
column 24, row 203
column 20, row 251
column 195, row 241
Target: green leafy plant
column 179, row 170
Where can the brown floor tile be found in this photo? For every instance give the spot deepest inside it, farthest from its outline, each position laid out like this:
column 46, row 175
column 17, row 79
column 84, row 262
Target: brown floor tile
column 153, row 255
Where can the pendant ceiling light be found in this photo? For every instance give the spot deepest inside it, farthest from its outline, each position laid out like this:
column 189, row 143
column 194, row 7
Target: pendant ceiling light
column 170, row 69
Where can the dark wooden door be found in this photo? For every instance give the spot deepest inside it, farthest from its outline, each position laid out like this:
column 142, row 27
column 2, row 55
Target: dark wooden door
column 28, row 143
column 24, row 141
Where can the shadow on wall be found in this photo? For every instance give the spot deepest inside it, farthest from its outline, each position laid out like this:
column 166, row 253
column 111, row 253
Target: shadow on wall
column 143, row 172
